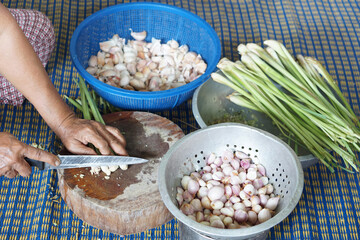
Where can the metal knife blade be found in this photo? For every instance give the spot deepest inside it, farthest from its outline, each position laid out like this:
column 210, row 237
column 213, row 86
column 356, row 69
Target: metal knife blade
column 80, row 161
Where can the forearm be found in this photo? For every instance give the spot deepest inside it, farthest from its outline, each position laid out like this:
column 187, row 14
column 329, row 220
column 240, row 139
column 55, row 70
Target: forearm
column 22, row 67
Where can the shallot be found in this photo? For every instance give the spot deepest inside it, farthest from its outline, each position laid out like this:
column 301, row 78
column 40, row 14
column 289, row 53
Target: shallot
column 231, row 191
column 145, row 66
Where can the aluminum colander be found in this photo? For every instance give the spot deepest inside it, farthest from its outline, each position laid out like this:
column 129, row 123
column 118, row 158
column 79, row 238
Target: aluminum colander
column 188, row 154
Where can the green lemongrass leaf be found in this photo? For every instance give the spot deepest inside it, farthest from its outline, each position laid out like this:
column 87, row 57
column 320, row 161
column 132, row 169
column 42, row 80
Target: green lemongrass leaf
column 78, row 100
column 319, row 67
column 73, row 102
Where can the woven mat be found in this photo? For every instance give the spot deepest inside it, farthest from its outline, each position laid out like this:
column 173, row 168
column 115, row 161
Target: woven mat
column 32, row 208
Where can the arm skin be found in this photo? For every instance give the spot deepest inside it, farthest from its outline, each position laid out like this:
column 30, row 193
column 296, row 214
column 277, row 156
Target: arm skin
column 20, row 65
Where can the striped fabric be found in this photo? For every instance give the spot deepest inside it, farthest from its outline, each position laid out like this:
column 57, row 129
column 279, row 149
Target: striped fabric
column 329, row 30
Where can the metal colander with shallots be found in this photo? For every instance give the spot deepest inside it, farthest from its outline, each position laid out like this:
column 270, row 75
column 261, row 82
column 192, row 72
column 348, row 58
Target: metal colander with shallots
column 230, row 181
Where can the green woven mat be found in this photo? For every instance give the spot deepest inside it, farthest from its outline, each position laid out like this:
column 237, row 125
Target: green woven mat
column 32, row 208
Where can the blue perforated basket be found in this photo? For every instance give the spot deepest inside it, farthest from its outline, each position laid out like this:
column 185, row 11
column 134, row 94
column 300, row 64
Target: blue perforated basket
column 160, row 21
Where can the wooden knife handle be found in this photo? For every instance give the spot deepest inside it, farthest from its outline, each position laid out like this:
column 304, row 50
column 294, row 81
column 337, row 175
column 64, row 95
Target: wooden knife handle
column 35, row 163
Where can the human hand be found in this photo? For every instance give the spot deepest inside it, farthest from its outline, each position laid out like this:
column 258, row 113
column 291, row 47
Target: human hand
column 76, row 133
column 13, row 152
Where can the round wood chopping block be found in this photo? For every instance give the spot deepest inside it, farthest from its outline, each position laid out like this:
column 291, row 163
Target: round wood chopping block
column 129, row 200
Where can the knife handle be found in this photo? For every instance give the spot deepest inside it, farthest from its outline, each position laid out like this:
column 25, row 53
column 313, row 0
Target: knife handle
column 35, row 163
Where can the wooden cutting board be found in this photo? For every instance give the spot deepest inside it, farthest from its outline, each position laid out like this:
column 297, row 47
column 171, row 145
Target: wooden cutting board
column 129, row 201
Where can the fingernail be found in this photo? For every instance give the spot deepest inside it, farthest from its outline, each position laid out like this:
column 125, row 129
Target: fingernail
column 57, row 163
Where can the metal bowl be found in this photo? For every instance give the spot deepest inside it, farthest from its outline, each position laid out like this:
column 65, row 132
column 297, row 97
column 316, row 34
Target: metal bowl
column 209, row 105
column 189, row 153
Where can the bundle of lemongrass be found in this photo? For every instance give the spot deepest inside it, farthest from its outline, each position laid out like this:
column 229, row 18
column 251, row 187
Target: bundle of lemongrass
column 90, row 104
column 299, row 96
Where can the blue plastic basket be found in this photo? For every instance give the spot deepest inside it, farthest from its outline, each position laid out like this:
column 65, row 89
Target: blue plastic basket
column 160, row 21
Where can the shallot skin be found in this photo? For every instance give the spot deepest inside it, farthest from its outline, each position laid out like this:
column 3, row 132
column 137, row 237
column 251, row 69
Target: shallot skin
column 230, row 192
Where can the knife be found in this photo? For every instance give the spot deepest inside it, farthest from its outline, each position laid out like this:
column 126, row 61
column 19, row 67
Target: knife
column 81, row 161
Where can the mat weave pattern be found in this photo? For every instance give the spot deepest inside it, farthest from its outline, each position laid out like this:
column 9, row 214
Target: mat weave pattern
column 329, row 30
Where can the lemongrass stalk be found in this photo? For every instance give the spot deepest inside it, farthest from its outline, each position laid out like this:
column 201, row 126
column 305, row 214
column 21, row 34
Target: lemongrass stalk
column 315, row 103
column 84, row 104
column 302, row 75
column 332, row 83
column 274, row 55
column 321, row 154
column 241, row 101
column 92, row 104
column 249, row 63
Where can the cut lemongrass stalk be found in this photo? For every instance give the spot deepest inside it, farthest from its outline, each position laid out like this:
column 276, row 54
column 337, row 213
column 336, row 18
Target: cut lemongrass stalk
column 92, row 105
column 84, row 104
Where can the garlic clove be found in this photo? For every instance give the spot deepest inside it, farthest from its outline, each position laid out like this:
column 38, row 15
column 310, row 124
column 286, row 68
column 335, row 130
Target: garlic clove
column 92, row 61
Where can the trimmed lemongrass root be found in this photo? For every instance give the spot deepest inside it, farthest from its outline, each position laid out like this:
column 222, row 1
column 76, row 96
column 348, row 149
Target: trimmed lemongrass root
column 299, row 96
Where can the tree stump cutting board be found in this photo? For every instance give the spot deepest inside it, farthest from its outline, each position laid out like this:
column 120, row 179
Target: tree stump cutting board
column 129, row 201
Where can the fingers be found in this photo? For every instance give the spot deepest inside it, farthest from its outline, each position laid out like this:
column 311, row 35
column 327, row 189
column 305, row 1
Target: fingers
column 107, row 138
column 23, row 168
column 116, row 140
column 80, row 149
column 11, row 174
column 41, row 155
column 77, row 133
column 117, row 134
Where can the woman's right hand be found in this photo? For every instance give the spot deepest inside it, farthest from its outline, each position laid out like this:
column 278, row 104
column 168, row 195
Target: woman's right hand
column 13, row 152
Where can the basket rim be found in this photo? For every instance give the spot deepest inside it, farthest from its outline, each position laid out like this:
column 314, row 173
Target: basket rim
column 94, row 82
column 243, row 232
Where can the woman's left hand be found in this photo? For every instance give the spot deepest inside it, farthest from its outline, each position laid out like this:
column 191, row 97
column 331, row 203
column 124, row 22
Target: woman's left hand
column 76, row 133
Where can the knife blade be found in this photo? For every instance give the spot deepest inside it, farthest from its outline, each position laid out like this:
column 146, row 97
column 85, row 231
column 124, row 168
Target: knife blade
column 80, row 161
